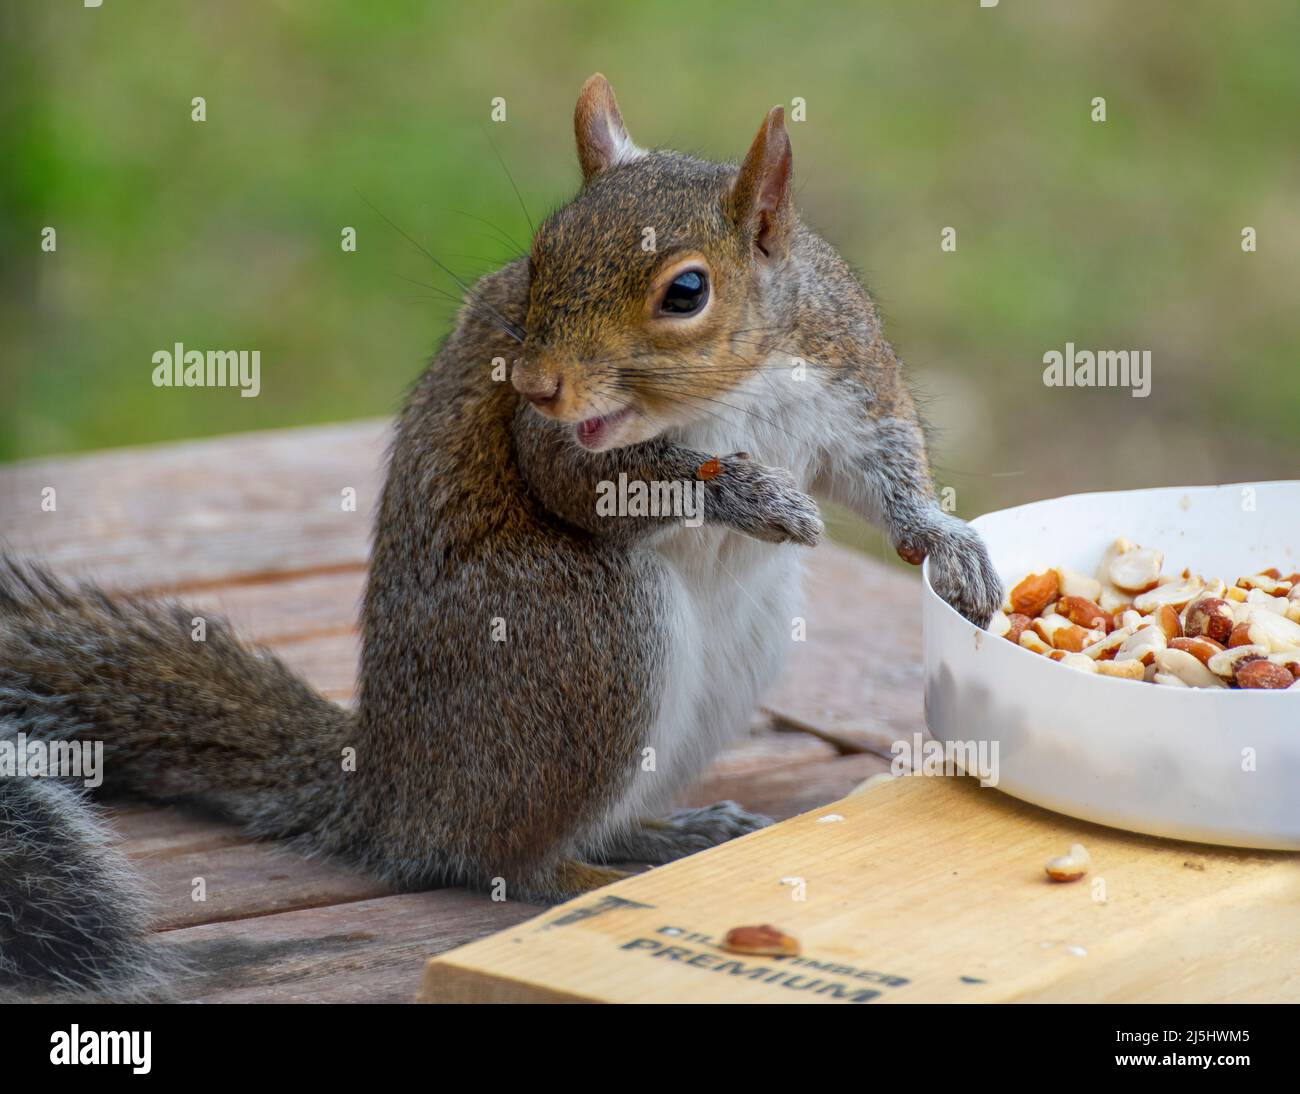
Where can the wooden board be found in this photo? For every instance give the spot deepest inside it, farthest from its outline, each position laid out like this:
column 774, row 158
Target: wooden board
column 928, row 889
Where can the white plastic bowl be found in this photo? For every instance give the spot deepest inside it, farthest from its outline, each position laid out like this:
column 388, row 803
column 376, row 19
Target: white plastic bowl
column 1166, row 761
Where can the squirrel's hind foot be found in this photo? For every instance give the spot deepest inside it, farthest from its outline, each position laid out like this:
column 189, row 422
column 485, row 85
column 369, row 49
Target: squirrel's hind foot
column 684, row 832
column 653, row 842
column 571, row 879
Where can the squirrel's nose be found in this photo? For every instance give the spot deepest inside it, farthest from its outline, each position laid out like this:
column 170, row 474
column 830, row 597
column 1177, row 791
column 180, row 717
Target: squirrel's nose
column 537, row 387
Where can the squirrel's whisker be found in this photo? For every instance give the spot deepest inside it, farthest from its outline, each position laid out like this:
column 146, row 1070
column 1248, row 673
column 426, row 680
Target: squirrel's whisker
column 469, row 291
column 505, row 236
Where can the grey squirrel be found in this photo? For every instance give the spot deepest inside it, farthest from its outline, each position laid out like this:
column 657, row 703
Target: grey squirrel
column 523, row 653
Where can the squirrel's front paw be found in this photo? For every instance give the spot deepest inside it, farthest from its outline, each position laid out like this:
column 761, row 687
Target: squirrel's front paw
column 764, row 502
column 960, row 569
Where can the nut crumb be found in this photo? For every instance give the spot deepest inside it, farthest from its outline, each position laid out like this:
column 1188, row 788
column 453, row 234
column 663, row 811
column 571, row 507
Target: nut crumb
column 1069, row 867
column 761, row 940
column 709, row 469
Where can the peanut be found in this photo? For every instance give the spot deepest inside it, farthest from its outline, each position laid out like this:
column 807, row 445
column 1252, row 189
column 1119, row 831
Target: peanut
column 1142, row 645
column 1129, row 669
column 1267, row 628
column 1085, row 613
column 1201, row 648
column 1017, row 624
column 1227, row 663
column 1031, row 641
column 1240, row 636
column 1034, row 592
column 1263, row 674
column 1187, row 669
column 1136, row 571
column 1167, row 620
column 1176, row 594
column 1076, row 584
column 1208, row 616
column 761, row 940
column 1071, row 866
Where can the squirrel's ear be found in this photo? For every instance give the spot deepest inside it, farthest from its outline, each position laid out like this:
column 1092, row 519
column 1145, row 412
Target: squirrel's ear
column 760, row 196
column 602, row 137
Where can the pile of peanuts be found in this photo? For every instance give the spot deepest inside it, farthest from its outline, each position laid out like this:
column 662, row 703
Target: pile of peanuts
column 1133, row 622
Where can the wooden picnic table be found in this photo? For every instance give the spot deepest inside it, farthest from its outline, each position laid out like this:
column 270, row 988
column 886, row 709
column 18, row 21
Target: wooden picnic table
column 257, row 527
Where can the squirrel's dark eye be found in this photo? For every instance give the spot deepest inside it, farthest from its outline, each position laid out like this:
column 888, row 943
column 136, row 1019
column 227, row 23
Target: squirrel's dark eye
column 686, row 294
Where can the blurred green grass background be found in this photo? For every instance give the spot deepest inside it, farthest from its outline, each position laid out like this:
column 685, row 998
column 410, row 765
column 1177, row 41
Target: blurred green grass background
column 920, row 115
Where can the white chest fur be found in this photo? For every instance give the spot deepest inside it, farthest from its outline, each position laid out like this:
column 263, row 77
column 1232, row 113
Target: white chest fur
column 733, row 601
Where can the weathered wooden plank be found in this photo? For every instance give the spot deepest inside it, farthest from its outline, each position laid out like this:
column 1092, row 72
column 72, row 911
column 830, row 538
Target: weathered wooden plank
column 149, row 833
column 289, row 608
column 781, row 790
column 250, row 879
column 928, row 889
column 366, row 951
column 767, row 746
column 780, row 773
column 329, row 662
column 202, row 512
column 857, row 678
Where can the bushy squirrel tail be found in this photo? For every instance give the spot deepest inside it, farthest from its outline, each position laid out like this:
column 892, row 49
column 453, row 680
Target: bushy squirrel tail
column 184, row 713
column 73, row 915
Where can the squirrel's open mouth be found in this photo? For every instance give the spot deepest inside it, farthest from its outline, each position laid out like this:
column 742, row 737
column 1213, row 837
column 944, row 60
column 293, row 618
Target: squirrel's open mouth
column 596, row 433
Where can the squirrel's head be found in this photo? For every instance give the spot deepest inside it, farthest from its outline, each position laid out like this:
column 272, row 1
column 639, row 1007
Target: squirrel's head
column 652, row 293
